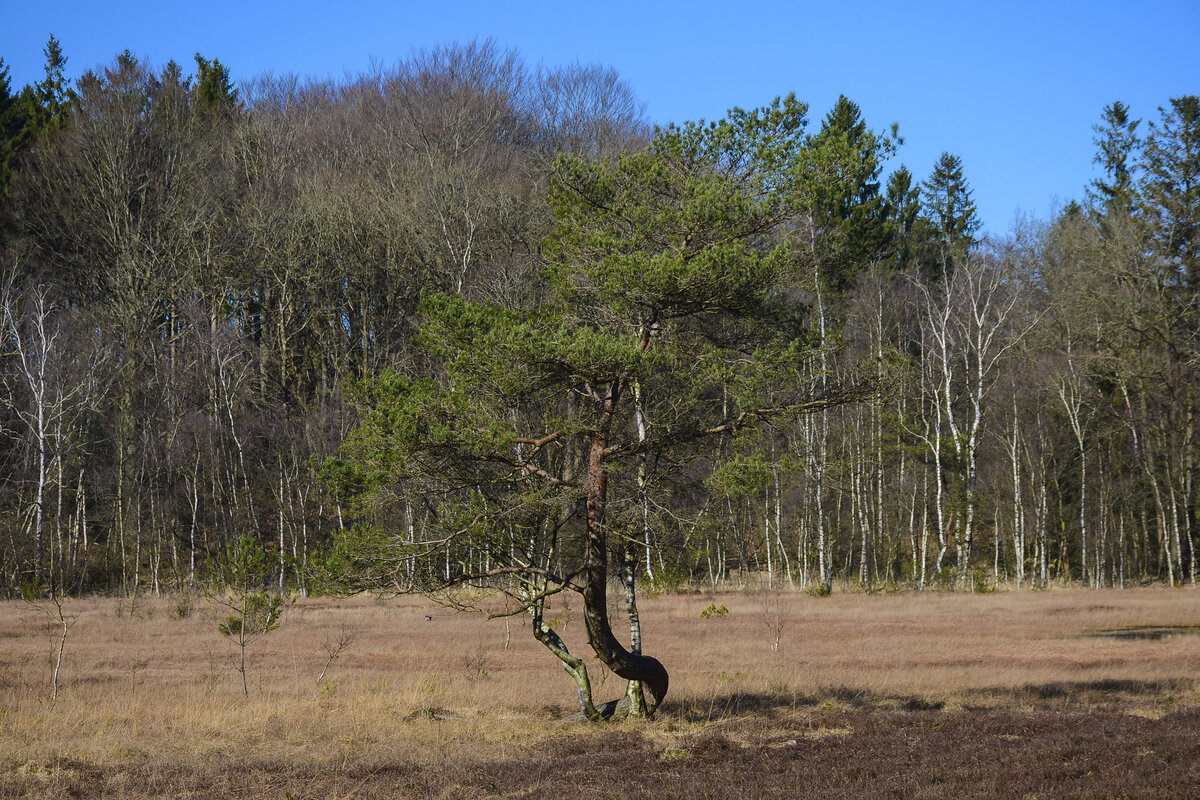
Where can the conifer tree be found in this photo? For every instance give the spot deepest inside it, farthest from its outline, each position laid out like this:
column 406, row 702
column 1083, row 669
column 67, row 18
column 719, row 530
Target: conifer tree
column 950, row 213
column 839, row 187
column 37, row 109
column 666, row 302
column 1117, row 145
column 53, row 93
column 215, row 94
column 11, row 124
column 1171, row 188
column 903, row 212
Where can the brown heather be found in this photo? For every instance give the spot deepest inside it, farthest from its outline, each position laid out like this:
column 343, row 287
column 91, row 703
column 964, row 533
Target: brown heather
column 930, row 696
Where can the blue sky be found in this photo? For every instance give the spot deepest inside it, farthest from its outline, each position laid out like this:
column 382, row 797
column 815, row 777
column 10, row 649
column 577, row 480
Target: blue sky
column 1013, row 88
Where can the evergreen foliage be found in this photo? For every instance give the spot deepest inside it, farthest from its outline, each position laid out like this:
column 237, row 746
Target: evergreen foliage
column 662, row 278
column 215, row 94
column 1117, row 145
column 840, row 188
column 950, row 212
column 1171, row 187
column 903, row 213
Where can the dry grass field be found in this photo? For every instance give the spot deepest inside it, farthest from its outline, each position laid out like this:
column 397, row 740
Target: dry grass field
column 927, row 696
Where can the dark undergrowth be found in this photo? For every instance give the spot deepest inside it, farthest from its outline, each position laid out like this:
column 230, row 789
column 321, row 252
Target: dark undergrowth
column 764, row 749
column 1107, row 694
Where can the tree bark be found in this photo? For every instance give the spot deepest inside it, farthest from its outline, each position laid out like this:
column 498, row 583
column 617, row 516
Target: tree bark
column 630, row 666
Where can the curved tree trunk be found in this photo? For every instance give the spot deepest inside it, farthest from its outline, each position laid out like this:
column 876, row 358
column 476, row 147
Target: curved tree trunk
column 573, row 665
column 625, row 664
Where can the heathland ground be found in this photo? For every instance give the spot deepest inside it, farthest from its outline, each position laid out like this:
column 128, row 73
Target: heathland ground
column 1060, row 693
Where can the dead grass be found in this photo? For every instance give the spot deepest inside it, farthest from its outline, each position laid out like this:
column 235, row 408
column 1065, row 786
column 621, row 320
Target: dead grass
column 934, row 647
column 151, row 704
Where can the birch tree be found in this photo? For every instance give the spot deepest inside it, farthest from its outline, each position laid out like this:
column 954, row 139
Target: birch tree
column 48, row 403
column 969, row 323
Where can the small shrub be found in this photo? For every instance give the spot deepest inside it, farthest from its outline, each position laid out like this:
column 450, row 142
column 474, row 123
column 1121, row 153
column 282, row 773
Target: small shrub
column 256, row 610
column 130, row 606
column 944, row 579
column 819, row 589
column 476, row 663
column 666, row 580
column 714, row 611
column 334, row 647
column 774, row 613
column 981, row 580
column 183, row 607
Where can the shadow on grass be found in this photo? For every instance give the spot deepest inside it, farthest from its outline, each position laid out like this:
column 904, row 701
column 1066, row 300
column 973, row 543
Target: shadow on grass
column 1104, row 692
column 733, row 704
column 1153, row 634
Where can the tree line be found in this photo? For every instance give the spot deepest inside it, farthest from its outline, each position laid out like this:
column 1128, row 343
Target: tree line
column 344, row 317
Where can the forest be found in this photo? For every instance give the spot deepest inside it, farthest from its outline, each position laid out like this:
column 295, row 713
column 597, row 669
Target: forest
column 437, row 324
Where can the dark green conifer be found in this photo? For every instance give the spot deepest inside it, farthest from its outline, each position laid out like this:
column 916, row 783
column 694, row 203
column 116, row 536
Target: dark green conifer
column 841, row 189
column 950, row 213
column 1171, row 187
column 215, row 95
column 903, row 211
column 1117, row 143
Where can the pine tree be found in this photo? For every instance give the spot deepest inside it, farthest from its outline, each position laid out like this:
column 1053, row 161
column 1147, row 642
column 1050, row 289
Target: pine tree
column 662, row 279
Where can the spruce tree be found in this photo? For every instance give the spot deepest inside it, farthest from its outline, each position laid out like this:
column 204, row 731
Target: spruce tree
column 840, row 188
column 950, row 213
column 903, row 211
column 36, row 110
column 53, row 93
column 215, row 95
column 11, row 123
column 1117, row 145
column 1171, row 188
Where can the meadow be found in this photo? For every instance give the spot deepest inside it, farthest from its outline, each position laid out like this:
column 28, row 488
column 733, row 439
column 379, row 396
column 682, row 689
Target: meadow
column 1060, row 693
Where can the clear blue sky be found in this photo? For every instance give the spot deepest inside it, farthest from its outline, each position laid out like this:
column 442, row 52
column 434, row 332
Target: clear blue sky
column 1013, row 88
